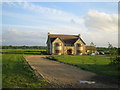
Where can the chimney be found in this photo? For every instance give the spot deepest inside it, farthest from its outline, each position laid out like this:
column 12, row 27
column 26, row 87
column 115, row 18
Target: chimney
column 79, row 35
column 48, row 33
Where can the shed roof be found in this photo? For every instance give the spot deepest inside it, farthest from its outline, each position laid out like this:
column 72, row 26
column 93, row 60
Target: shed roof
column 90, row 47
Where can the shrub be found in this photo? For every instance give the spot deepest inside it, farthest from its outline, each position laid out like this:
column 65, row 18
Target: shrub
column 115, row 60
column 51, row 58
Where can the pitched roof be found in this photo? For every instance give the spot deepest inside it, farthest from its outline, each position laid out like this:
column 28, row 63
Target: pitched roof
column 70, row 41
column 67, row 39
column 90, row 47
column 62, row 36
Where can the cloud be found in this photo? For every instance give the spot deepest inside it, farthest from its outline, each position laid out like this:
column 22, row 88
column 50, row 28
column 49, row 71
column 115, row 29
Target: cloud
column 21, row 37
column 66, row 29
column 100, row 21
column 16, row 37
column 47, row 13
column 101, row 38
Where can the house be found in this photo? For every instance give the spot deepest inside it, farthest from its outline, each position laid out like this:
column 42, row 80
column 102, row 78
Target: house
column 59, row 44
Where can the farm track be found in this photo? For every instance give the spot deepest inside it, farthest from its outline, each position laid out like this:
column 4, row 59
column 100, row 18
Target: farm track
column 68, row 76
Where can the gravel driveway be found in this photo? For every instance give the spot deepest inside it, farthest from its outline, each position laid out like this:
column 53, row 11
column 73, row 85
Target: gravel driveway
column 64, row 75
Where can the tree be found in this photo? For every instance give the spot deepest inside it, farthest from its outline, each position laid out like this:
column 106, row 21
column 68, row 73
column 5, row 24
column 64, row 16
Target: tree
column 92, row 44
column 112, row 50
column 115, row 59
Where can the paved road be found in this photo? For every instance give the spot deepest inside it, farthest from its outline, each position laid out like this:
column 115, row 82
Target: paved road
column 68, row 76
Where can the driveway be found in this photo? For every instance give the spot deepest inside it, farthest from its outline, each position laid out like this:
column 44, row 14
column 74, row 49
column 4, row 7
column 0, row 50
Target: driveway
column 64, row 75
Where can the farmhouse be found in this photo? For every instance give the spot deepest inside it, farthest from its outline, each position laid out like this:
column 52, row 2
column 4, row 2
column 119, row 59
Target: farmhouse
column 59, row 44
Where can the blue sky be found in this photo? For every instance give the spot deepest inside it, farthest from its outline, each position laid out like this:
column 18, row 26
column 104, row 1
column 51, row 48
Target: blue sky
column 28, row 23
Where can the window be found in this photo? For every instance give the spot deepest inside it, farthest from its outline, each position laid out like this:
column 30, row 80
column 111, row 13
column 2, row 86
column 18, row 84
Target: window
column 78, row 45
column 78, row 51
column 57, row 51
column 57, row 44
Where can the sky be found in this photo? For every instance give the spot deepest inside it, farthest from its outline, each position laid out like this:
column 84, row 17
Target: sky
column 27, row 23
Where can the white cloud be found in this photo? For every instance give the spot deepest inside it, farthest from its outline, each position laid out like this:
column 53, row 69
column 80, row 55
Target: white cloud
column 102, row 28
column 47, row 13
column 101, row 38
column 17, row 37
column 100, row 21
column 66, row 29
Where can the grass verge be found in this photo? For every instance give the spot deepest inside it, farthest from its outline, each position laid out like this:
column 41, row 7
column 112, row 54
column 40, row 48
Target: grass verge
column 16, row 73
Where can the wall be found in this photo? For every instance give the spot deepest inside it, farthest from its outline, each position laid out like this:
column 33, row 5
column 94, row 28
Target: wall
column 49, row 49
column 82, row 48
column 55, row 48
column 69, row 47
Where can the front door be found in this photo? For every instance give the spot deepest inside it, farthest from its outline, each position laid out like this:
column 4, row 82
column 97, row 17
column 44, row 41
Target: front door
column 69, row 51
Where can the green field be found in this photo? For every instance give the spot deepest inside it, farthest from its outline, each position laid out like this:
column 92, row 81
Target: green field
column 16, row 73
column 98, row 64
column 24, row 51
column 21, row 50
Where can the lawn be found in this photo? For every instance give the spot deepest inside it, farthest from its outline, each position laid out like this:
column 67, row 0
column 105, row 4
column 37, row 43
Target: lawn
column 16, row 72
column 98, row 64
column 21, row 50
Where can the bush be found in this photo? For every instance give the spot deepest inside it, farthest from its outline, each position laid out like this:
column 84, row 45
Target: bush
column 89, row 53
column 115, row 60
column 51, row 58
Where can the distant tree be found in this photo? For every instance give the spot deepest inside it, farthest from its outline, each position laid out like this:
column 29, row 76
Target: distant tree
column 115, row 59
column 92, row 44
column 110, row 45
column 112, row 50
column 23, row 47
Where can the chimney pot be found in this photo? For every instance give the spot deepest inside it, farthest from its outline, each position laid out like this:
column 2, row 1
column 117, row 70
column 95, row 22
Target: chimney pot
column 48, row 33
column 79, row 35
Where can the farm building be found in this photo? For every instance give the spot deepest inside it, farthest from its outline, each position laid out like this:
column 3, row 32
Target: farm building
column 59, row 44
column 90, row 49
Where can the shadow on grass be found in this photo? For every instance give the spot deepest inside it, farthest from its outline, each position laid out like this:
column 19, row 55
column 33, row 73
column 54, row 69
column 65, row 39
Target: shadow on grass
column 108, row 80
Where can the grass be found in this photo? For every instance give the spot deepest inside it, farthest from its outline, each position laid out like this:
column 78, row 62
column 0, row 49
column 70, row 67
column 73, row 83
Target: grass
column 98, row 64
column 16, row 72
column 24, row 51
column 21, row 50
